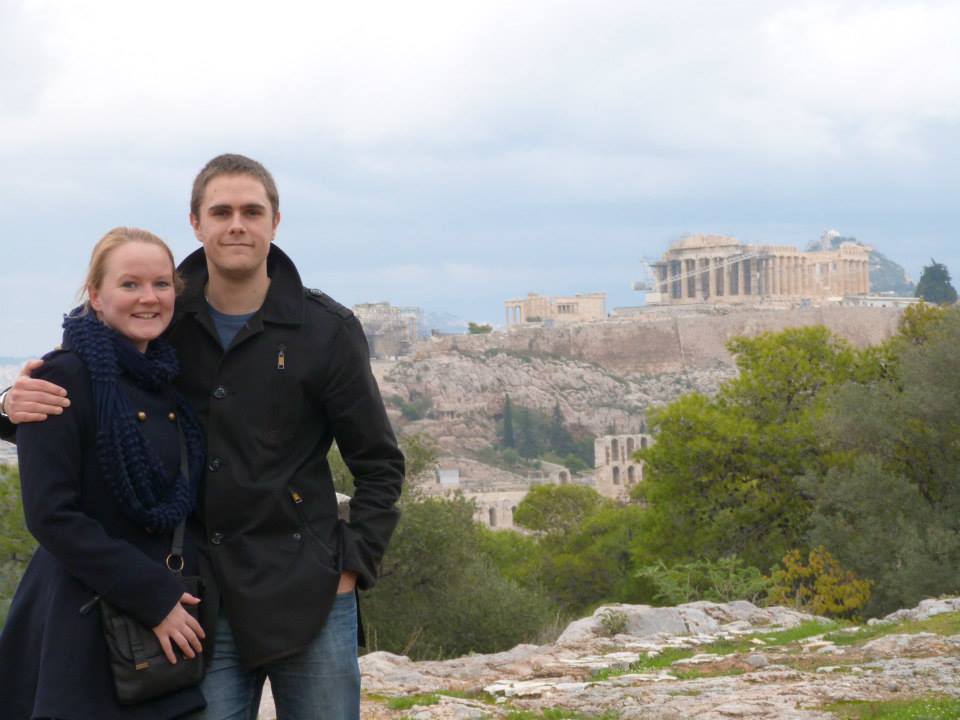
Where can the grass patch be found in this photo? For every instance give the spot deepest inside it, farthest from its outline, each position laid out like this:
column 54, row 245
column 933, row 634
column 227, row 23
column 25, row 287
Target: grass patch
column 479, row 696
column 697, row 674
column 409, row 701
column 804, row 630
column 559, row 714
column 944, row 624
column 645, row 664
column 934, row 708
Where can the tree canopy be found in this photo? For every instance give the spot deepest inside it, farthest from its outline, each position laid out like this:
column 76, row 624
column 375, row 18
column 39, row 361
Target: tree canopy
column 721, row 479
column 888, row 507
column 934, row 285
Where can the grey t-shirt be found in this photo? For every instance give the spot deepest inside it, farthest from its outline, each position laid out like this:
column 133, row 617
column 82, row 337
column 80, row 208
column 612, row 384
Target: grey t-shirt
column 227, row 325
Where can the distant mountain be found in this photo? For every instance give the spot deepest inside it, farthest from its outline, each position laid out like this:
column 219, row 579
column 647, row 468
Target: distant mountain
column 886, row 276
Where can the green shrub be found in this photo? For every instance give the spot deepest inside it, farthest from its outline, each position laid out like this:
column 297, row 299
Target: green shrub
column 439, row 596
column 613, row 622
column 720, row 580
column 16, row 543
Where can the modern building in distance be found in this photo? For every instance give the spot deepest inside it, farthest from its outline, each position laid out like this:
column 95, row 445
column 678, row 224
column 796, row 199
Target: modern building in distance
column 556, row 310
column 390, row 331
column 720, row 269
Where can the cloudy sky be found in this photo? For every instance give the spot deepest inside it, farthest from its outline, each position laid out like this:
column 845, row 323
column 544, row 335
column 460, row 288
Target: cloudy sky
column 455, row 154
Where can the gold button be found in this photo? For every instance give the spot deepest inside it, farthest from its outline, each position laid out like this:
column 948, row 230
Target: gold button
column 141, row 416
column 171, row 416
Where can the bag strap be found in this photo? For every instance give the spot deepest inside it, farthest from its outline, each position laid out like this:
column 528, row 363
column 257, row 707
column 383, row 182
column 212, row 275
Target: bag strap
column 175, row 558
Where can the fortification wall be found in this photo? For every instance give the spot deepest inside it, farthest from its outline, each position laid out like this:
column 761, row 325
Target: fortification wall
column 663, row 341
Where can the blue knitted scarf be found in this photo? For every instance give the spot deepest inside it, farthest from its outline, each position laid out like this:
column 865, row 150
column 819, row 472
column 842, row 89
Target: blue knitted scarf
column 144, row 490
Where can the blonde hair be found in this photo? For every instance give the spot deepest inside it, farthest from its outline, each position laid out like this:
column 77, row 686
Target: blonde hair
column 97, row 269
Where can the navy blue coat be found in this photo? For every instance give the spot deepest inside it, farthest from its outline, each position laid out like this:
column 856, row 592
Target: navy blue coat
column 53, row 660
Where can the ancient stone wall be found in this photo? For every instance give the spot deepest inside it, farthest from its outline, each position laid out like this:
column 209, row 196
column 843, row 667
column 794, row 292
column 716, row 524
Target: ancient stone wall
column 615, row 470
column 672, row 339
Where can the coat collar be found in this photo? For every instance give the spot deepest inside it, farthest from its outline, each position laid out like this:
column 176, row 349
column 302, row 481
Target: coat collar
column 284, row 301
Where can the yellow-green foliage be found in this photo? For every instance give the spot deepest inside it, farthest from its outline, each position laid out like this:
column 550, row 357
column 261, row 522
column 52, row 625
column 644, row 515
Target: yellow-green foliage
column 819, row 585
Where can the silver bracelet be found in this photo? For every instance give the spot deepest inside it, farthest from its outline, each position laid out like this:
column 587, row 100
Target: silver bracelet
column 3, row 399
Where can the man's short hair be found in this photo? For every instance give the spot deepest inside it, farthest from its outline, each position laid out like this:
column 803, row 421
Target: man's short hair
column 231, row 164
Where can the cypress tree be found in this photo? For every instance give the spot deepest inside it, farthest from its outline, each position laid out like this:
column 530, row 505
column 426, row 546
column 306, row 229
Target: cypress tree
column 508, row 439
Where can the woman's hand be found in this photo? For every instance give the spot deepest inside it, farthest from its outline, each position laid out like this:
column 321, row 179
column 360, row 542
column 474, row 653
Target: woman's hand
column 182, row 628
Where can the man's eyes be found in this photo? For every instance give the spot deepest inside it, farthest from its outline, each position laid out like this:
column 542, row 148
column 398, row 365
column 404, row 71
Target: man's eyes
column 226, row 212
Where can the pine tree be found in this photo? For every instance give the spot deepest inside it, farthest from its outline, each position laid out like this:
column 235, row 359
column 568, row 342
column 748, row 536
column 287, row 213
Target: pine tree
column 934, row 285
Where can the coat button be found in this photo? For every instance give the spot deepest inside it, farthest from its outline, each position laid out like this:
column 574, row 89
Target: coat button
column 215, row 464
column 216, row 538
column 220, row 393
column 297, row 536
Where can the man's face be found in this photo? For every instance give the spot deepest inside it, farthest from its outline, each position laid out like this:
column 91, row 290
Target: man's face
column 236, row 226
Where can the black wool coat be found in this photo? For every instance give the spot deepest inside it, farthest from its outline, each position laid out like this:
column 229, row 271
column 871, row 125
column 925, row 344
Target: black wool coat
column 53, row 660
column 295, row 378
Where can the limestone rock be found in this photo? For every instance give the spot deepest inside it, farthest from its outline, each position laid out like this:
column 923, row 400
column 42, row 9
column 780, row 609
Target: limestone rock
column 926, row 609
column 644, row 621
column 590, row 674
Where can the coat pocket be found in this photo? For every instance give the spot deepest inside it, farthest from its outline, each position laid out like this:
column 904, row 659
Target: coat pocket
column 327, row 548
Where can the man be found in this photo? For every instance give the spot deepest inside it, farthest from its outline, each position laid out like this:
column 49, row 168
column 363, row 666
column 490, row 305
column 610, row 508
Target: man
column 276, row 373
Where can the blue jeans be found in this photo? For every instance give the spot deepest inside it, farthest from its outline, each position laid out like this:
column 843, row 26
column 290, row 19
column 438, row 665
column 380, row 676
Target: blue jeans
column 320, row 683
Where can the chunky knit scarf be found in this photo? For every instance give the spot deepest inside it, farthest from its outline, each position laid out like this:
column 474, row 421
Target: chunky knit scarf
column 140, row 482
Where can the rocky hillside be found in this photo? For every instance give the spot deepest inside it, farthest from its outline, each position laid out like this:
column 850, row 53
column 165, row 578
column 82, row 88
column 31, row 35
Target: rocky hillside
column 466, row 391
column 700, row 660
column 604, row 374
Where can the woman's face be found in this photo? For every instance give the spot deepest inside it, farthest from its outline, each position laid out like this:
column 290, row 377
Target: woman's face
column 137, row 294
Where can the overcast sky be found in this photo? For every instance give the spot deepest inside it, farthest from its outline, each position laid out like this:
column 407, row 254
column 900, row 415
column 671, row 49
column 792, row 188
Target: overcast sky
column 455, row 154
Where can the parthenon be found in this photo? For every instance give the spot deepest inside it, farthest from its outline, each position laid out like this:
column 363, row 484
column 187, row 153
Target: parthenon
column 720, row 269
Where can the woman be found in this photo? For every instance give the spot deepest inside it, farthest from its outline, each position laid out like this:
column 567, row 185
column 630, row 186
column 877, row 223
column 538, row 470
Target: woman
column 102, row 493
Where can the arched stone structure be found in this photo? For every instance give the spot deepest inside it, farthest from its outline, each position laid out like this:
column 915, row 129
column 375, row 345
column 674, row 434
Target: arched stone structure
column 615, row 469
